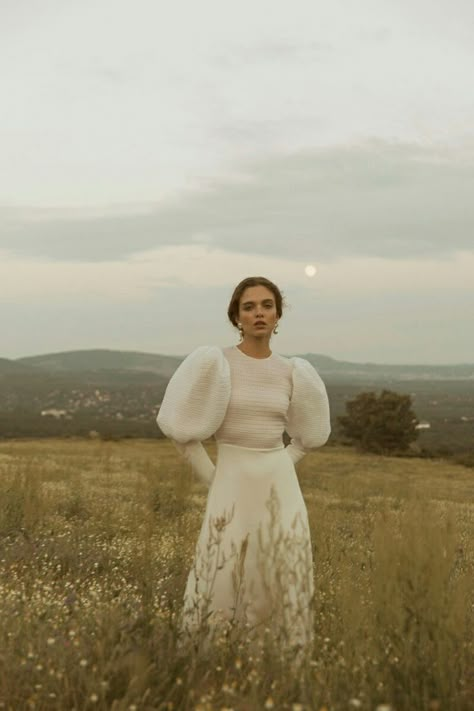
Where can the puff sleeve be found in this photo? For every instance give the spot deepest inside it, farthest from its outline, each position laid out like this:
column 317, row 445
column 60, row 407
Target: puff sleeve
column 308, row 422
column 194, row 406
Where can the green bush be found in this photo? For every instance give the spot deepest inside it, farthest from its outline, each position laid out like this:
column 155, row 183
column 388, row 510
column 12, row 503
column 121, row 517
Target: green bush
column 380, row 423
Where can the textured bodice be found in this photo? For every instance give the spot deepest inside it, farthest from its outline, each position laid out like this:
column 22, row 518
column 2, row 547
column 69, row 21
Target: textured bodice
column 261, row 388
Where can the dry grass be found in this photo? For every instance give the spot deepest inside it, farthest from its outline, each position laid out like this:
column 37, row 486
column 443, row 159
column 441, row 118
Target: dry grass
column 96, row 541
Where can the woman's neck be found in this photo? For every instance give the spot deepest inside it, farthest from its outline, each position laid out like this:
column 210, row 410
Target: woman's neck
column 257, row 348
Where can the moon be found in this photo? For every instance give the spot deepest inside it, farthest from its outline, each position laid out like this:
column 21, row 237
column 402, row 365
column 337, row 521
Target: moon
column 310, row 270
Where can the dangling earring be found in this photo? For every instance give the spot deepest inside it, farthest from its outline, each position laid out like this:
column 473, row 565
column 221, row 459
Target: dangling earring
column 241, row 331
column 275, row 330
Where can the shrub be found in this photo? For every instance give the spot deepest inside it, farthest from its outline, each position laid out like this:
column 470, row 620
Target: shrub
column 380, row 423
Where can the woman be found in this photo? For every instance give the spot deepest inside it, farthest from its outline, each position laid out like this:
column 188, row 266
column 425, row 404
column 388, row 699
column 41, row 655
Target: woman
column 253, row 560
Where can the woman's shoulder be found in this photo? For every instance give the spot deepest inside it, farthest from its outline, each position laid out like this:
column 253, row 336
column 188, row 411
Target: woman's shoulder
column 206, row 350
column 301, row 363
column 206, row 353
column 204, row 363
column 293, row 362
column 282, row 362
column 305, row 375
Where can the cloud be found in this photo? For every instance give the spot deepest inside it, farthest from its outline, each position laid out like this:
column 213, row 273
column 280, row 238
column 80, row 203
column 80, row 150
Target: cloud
column 202, row 266
column 136, row 279
column 277, row 50
column 376, row 199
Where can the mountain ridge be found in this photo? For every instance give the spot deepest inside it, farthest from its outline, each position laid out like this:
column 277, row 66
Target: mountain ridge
column 103, row 359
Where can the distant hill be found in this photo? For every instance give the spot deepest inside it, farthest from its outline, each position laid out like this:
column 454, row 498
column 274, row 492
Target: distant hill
column 10, row 367
column 118, row 393
column 104, row 360
column 134, row 362
column 346, row 370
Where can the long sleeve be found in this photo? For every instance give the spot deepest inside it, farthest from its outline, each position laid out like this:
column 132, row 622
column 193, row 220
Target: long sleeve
column 308, row 421
column 197, row 456
column 194, row 406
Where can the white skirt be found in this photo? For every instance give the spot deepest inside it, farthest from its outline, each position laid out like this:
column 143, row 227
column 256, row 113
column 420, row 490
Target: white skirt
column 253, row 561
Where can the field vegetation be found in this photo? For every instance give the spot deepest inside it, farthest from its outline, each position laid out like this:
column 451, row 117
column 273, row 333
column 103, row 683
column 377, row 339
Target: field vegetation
column 97, row 539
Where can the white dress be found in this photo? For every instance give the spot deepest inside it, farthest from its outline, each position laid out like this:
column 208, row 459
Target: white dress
column 253, row 560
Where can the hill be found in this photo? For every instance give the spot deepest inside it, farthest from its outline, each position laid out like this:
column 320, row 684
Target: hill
column 103, row 359
column 118, row 393
column 347, row 370
column 10, row 367
column 99, row 360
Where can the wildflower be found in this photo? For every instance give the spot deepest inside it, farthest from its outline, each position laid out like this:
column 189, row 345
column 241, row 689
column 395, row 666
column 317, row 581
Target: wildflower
column 238, row 663
column 269, row 703
column 50, row 641
column 355, row 703
column 94, row 698
column 83, row 663
column 297, row 707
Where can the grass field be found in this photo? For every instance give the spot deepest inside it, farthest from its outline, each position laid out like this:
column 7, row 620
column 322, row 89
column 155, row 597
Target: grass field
column 96, row 541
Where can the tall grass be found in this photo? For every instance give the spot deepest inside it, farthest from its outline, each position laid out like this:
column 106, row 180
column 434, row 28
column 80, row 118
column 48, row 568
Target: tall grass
column 96, row 542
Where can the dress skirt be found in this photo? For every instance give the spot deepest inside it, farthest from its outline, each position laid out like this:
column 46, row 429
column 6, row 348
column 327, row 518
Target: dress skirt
column 253, row 562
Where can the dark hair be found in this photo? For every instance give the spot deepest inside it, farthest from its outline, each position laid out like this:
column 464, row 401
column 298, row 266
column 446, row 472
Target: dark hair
column 233, row 309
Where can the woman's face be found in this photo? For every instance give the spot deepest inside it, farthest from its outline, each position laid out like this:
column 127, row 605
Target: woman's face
column 257, row 306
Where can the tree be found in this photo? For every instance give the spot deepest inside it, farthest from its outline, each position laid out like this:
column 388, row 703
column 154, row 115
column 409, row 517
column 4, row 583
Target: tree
column 383, row 423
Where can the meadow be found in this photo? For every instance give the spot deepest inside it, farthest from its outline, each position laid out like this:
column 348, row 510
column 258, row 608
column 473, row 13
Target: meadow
column 96, row 541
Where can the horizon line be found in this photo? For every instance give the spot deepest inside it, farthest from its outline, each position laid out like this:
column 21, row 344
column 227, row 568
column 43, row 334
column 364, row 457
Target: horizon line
column 168, row 355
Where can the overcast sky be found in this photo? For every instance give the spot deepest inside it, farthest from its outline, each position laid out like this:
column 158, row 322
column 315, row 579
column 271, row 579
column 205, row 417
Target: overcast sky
column 152, row 154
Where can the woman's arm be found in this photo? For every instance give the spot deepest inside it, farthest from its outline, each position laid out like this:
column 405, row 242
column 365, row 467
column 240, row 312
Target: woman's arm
column 194, row 406
column 308, row 423
column 198, row 458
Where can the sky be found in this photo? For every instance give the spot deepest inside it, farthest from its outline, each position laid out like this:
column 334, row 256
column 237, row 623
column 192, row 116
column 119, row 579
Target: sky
column 153, row 154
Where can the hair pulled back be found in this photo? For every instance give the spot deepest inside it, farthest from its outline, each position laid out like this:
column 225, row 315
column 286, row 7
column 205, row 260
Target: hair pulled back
column 233, row 309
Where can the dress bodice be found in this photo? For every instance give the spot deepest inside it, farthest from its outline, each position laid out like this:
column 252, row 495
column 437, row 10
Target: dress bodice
column 260, row 396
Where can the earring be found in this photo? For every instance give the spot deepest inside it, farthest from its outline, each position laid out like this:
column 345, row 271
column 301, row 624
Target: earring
column 241, row 331
column 275, row 330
